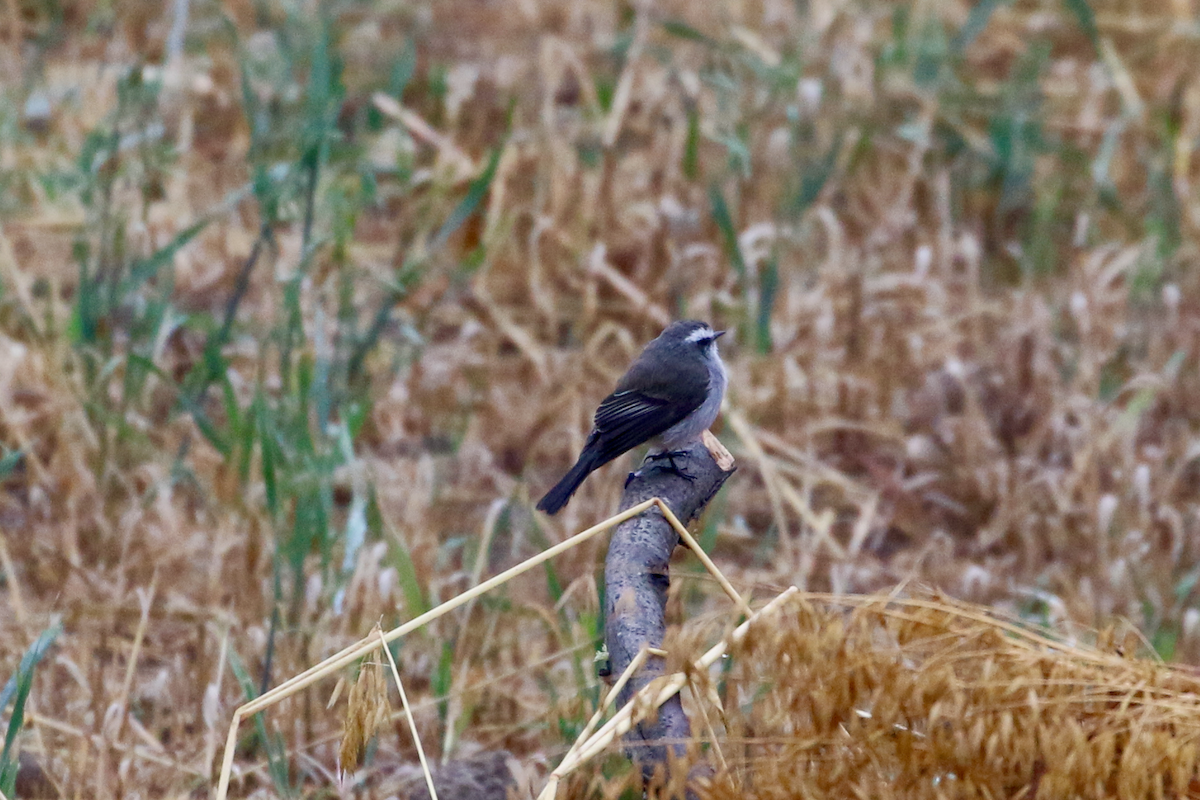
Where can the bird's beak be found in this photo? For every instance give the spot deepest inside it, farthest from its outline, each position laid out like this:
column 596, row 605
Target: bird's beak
column 719, row 334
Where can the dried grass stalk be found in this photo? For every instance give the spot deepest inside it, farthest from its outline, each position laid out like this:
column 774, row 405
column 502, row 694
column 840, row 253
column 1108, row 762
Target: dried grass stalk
column 412, row 723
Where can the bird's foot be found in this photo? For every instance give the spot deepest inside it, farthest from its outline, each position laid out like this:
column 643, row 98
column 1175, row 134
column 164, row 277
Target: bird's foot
column 669, row 457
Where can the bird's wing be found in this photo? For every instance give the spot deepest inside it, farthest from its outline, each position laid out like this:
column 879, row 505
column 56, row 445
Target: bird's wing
column 626, row 419
column 663, row 396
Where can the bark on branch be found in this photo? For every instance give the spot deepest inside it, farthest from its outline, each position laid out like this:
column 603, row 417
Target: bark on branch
column 636, row 577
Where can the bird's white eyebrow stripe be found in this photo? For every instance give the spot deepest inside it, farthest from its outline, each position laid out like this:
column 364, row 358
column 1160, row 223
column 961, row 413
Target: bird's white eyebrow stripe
column 699, row 335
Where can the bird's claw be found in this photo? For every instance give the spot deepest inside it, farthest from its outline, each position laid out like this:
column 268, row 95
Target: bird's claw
column 669, row 457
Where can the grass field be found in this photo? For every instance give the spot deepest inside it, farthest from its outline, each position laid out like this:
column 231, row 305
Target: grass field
column 304, row 304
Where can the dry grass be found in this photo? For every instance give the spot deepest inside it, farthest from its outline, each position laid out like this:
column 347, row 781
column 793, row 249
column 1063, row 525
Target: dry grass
column 961, row 274
column 928, row 698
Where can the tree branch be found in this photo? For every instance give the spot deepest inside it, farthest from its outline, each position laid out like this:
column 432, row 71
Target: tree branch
column 637, row 576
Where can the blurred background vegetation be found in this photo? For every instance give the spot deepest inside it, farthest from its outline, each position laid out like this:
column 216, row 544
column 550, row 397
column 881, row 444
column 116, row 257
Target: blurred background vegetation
column 302, row 302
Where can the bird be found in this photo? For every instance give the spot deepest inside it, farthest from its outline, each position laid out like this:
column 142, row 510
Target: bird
column 668, row 397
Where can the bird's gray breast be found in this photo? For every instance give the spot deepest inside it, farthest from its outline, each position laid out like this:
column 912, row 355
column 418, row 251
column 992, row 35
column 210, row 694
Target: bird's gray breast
column 693, row 425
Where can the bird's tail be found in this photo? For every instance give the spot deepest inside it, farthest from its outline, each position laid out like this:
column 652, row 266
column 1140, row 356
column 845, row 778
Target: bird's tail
column 557, row 497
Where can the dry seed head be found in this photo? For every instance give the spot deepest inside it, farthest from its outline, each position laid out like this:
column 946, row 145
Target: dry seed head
column 367, row 709
column 966, row 695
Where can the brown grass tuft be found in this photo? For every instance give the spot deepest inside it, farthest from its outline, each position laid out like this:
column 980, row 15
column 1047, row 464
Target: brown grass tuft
column 907, row 698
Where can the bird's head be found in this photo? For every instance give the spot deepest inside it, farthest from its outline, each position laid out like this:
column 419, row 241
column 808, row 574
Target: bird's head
column 690, row 334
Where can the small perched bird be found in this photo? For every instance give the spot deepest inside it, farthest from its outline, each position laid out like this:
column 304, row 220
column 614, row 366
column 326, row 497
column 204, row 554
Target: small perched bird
column 669, row 396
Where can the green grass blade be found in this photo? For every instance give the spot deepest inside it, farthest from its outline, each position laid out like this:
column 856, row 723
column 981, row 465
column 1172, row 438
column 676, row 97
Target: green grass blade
column 977, row 19
column 768, row 289
column 442, row 680
column 16, row 690
column 277, row 764
column 144, row 269
column 691, row 147
column 476, row 192
column 415, row 603
column 724, row 221
column 681, row 30
column 268, row 448
column 1086, row 18
column 8, row 464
